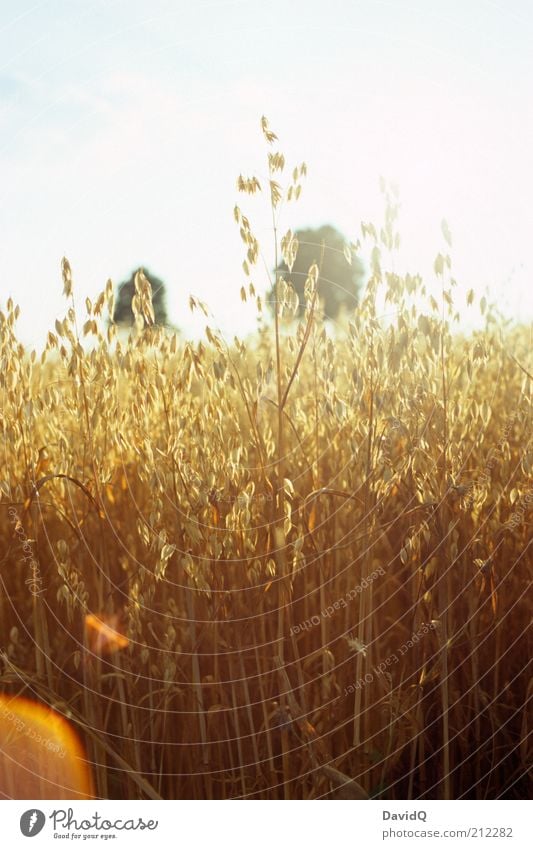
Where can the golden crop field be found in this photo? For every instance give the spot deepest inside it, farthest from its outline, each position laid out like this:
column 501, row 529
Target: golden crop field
column 289, row 566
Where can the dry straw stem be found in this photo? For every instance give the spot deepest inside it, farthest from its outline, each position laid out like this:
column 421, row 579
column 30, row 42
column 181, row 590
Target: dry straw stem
column 157, row 489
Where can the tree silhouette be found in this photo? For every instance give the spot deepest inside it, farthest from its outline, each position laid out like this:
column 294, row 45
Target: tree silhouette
column 338, row 282
column 123, row 312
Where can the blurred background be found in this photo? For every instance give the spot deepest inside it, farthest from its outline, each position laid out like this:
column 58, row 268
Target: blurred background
column 125, row 123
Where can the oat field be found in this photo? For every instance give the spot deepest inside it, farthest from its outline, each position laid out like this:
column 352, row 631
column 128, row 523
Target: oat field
column 290, row 566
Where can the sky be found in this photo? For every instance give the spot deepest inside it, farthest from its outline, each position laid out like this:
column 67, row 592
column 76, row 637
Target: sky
column 125, row 123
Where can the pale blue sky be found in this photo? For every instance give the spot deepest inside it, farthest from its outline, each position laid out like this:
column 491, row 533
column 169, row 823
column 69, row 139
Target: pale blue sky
column 123, row 126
